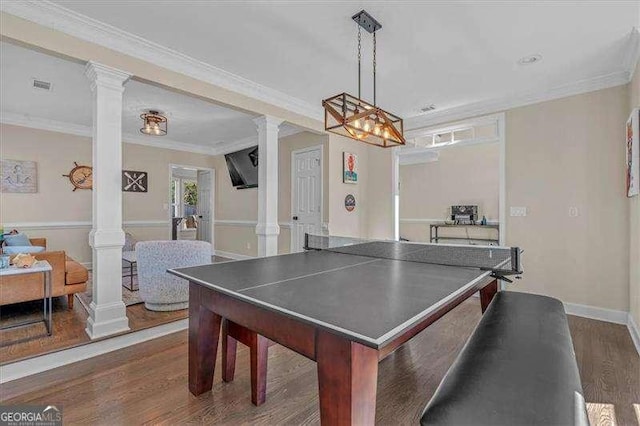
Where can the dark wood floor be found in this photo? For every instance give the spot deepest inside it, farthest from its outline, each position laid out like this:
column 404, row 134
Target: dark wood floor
column 147, row 383
column 68, row 326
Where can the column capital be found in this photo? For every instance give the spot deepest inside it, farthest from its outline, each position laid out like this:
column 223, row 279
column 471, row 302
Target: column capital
column 268, row 122
column 105, row 75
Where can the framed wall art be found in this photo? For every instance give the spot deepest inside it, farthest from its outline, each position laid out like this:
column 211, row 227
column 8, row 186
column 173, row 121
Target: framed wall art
column 633, row 154
column 134, row 181
column 349, row 168
column 19, row 176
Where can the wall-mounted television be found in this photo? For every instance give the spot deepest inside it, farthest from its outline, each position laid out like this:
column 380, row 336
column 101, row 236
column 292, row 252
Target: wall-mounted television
column 243, row 168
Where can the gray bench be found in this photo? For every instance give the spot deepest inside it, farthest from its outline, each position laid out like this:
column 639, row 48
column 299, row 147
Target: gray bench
column 518, row 368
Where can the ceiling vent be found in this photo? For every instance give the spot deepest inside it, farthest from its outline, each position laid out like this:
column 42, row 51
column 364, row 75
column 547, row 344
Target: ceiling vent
column 428, row 108
column 42, row 85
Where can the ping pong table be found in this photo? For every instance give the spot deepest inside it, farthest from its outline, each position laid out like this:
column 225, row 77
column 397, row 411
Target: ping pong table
column 343, row 303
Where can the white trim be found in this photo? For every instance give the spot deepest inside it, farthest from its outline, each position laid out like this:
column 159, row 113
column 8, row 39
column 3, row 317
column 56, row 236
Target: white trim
column 632, row 54
column 58, row 18
column 292, row 177
column 596, row 313
column 19, row 369
column 222, row 148
column 490, row 106
column 634, row 331
column 82, row 224
column 23, row 120
column 230, row 255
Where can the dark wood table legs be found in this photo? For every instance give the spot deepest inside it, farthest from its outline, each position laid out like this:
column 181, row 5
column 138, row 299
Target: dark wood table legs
column 204, row 332
column 347, row 379
column 487, row 293
column 233, row 333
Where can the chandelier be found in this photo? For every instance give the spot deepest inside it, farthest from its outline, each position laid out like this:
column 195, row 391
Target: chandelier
column 154, row 123
column 355, row 118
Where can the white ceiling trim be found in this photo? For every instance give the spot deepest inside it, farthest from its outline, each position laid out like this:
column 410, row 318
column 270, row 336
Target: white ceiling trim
column 490, row 106
column 231, row 146
column 496, row 105
column 58, row 18
column 24, row 120
column 39, row 123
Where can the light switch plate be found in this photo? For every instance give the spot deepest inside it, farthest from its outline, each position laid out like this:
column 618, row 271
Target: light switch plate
column 518, row 211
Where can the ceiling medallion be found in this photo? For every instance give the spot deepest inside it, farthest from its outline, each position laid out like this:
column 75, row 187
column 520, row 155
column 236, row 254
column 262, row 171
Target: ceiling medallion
column 354, row 118
column 154, row 123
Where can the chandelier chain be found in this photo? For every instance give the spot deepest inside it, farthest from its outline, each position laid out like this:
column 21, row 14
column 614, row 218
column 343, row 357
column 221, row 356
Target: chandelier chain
column 359, row 60
column 374, row 68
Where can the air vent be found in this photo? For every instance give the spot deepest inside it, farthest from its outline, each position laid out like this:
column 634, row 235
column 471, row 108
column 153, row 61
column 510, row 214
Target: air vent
column 428, row 108
column 42, row 85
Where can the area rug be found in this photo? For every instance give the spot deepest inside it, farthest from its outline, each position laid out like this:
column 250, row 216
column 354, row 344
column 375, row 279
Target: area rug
column 128, row 297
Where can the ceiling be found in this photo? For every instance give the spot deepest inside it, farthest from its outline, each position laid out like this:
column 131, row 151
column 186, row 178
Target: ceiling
column 192, row 122
column 445, row 53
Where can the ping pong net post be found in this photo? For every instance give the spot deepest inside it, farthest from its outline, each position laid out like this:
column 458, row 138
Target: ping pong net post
column 501, row 261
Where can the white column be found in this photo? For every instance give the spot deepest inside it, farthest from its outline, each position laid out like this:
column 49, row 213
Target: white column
column 107, row 311
column 267, row 228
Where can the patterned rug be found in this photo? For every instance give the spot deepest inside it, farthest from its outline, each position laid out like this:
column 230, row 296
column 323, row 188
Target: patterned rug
column 128, row 297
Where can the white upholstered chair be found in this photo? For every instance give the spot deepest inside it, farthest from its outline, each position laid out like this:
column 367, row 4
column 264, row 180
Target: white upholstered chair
column 160, row 290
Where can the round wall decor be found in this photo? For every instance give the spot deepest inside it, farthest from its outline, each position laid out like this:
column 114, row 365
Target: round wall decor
column 350, row 202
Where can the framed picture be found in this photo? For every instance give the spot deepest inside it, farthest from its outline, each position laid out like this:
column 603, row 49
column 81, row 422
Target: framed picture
column 349, row 168
column 19, row 176
column 133, row 181
column 633, row 154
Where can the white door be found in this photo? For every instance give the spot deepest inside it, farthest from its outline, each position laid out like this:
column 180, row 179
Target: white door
column 306, row 195
column 203, row 207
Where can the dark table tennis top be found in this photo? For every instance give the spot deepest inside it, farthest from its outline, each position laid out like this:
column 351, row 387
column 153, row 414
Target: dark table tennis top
column 367, row 299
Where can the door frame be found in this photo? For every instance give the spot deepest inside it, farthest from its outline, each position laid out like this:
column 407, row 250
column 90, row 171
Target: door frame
column 319, row 147
column 212, row 199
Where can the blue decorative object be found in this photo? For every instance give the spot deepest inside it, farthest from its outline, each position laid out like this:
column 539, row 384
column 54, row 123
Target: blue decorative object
column 4, row 261
column 16, row 240
column 22, row 249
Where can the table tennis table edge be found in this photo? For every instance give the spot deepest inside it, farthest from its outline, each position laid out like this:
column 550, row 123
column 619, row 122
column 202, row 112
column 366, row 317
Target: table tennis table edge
column 351, row 335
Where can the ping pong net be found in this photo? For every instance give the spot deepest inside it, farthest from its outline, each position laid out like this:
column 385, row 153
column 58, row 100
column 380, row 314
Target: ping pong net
column 501, row 261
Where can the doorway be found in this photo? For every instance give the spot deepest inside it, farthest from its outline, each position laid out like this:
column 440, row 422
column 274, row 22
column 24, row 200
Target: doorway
column 306, row 194
column 191, row 199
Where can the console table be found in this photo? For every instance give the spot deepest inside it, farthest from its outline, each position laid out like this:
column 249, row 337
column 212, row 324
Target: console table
column 40, row 267
column 435, row 236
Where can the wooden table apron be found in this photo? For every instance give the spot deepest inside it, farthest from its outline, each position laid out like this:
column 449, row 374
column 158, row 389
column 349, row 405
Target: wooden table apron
column 347, row 370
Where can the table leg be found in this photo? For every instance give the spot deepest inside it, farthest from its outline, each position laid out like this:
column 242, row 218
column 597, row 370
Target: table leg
column 229, row 347
column 48, row 303
column 487, row 293
column 259, row 349
column 347, row 379
column 204, row 333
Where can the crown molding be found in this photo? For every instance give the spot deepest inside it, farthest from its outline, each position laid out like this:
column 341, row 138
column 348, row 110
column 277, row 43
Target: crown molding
column 59, row 18
column 237, row 145
column 632, row 54
column 39, row 123
column 526, row 98
column 24, row 120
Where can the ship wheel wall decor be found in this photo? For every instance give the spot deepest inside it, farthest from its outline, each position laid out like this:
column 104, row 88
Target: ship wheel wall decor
column 81, row 177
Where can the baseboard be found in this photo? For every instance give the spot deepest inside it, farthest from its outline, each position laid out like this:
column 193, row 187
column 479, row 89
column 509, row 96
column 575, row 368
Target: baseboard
column 634, row 331
column 602, row 314
column 230, row 255
column 28, row 367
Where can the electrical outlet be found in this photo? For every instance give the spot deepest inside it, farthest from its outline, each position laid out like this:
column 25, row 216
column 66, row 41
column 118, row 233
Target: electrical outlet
column 248, row 246
column 573, row 212
column 518, row 211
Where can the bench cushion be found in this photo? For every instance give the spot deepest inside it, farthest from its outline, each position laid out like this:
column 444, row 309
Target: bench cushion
column 518, row 368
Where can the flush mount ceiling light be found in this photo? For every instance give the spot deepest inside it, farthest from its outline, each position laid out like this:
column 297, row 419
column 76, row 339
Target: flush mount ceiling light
column 531, row 59
column 153, row 123
column 355, row 118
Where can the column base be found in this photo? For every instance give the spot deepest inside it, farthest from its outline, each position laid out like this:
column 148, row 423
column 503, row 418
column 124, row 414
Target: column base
column 106, row 320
